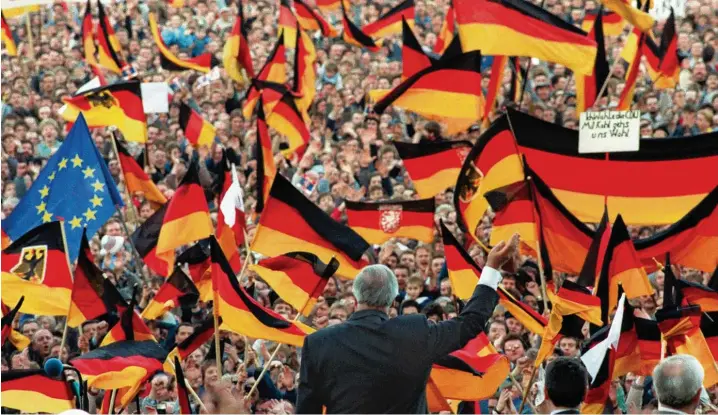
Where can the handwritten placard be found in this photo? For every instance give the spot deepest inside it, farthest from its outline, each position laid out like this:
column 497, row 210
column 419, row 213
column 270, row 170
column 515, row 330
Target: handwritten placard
column 609, row 131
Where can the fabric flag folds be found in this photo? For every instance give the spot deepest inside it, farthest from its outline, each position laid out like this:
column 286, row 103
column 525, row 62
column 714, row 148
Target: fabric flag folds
column 379, row 222
column 390, row 23
column 236, row 54
column 198, row 131
column 33, row 391
column 178, row 289
column 169, row 61
column 433, row 167
column 136, row 179
column 7, row 38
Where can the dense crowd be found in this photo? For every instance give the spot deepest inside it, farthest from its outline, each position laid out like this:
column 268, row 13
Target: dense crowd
column 338, row 165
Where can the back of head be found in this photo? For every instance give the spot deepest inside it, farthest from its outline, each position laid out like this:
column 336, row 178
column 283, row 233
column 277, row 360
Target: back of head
column 375, row 287
column 566, row 382
column 678, row 381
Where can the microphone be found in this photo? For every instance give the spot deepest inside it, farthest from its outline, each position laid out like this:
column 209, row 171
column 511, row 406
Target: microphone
column 53, row 367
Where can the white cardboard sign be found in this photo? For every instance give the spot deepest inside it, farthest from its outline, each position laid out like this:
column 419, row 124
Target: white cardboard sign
column 609, row 131
column 154, row 97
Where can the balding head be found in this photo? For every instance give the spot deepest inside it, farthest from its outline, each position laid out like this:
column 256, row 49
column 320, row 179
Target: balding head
column 375, row 287
column 678, row 381
column 42, row 342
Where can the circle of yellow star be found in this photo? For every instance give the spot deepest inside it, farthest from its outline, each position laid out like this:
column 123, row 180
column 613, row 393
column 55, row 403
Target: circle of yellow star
column 76, row 161
column 76, row 222
column 63, row 163
column 88, row 172
column 44, row 191
column 96, row 201
column 98, row 186
column 47, row 217
column 89, row 214
column 41, row 207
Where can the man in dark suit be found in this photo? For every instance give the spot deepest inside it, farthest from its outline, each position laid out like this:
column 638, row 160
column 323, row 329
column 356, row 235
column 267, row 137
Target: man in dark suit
column 373, row 364
column 566, row 385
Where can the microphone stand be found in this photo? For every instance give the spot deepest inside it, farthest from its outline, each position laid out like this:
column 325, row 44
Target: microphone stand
column 82, row 401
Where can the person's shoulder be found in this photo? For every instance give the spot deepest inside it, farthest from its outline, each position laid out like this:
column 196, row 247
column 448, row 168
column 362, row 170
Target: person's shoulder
column 327, row 332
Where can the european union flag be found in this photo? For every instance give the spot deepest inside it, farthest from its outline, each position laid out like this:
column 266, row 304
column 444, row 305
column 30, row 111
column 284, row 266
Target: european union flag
column 75, row 186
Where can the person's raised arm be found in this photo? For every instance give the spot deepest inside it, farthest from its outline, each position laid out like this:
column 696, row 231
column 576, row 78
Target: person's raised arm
column 448, row 336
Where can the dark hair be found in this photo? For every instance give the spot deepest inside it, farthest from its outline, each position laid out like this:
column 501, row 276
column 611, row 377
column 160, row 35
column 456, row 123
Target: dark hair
column 434, row 309
column 511, row 336
column 566, row 382
column 408, row 303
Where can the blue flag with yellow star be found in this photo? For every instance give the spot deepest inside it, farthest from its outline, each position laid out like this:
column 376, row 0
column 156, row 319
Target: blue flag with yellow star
column 75, row 186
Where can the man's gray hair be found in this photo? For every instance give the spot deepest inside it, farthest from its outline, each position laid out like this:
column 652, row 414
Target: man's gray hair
column 376, row 286
column 677, row 380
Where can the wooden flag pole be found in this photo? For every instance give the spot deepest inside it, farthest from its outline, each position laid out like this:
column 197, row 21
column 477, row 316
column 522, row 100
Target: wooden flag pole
column 526, row 392
column 521, row 389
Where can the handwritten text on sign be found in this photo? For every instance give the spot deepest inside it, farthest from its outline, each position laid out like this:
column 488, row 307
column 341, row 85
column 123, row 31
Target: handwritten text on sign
column 609, row 131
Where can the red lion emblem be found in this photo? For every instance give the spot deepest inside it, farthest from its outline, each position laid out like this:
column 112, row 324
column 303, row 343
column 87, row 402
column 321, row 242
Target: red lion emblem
column 390, row 219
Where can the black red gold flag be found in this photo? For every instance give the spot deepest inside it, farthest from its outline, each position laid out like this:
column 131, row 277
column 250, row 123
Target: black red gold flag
column 236, row 54
column 513, row 209
column 136, row 180
column 87, row 30
column 182, row 392
column 527, row 316
column 446, row 34
column 125, row 363
column 516, row 27
column 591, row 270
column 177, row 290
column 118, row 104
column 130, row 326
column 354, row 35
column 663, row 60
column 310, row 19
column 390, row 23
column 329, row 5
column 495, row 84
column 33, row 391
column 273, row 72
column 198, row 131
column 266, row 169
column 289, row 121
column 8, row 39
column 698, row 294
column 305, row 73
column 171, row 62
column 588, row 86
column 231, row 230
column 242, row 314
column 600, row 386
column 287, row 23
column 635, row 17
column 37, row 267
column 463, row 272
column 200, row 336
column 291, row 222
column 433, row 167
column 198, row 263
column 109, row 51
column 413, row 57
column 613, row 23
column 8, row 316
column 625, row 101
column 298, row 278
column 381, row 221
column 145, row 240
column 186, row 218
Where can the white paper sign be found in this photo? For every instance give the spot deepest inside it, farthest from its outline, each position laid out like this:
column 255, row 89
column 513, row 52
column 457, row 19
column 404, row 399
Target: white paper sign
column 662, row 9
column 154, row 97
column 609, row 131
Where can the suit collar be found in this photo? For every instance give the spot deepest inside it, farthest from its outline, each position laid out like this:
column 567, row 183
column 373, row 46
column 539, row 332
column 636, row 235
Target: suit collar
column 359, row 315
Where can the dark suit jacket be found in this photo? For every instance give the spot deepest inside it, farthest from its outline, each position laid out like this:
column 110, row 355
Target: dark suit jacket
column 373, row 364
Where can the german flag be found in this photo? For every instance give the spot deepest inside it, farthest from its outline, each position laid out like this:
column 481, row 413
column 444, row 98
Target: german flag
column 390, row 22
column 8, row 316
column 177, row 290
column 680, row 327
column 109, row 52
column 198, row 131
column 413, row 57
column 623, row 266
column 37, row 267
column 182, row 392
column 199, row 264
column 274, row 72
column 287, row 23
column 93, row 295
column 572, row 305
column 492, row 163
column 305, row 74
column 379, row 222
column 354, row 35
column 448, row 91
column 588, row 86
column 8, row 39
column 625, row 101
column 130, row 326
column 518, row 74
column 635, row 17
column 145, row 241
column 472, row 373
column 231, row 221
column 291, row 222
column 665, row 73
column 529, row 318
column 516, row 27
column 709, row 328
column 495, row 83
column 433, row 167
column 125, row 363
column 639, row 199
column 310, row 19
column 649, row 345
column 87, row 31
column 613, row 23
column 266, row 169
column 186, row 219
column 289, row 122
column 298, row 278
column 446, row 34
column 699, row 294
column 118, row 104
column 236, row 54
column 200, row 336
column 513, row 209
column 463, row 272
column 328, row 5
column 171, row 62
column 692, row 241
column 32, row 391
column 136, row 179
column 600, row 385
column 591, row 270
column 242, row 314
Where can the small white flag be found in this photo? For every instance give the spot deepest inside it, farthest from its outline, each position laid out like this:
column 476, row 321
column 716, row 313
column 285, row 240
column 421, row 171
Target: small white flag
column 232, row 200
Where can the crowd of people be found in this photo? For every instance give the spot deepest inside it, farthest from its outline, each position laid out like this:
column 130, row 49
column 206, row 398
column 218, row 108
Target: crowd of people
column 338, row 165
